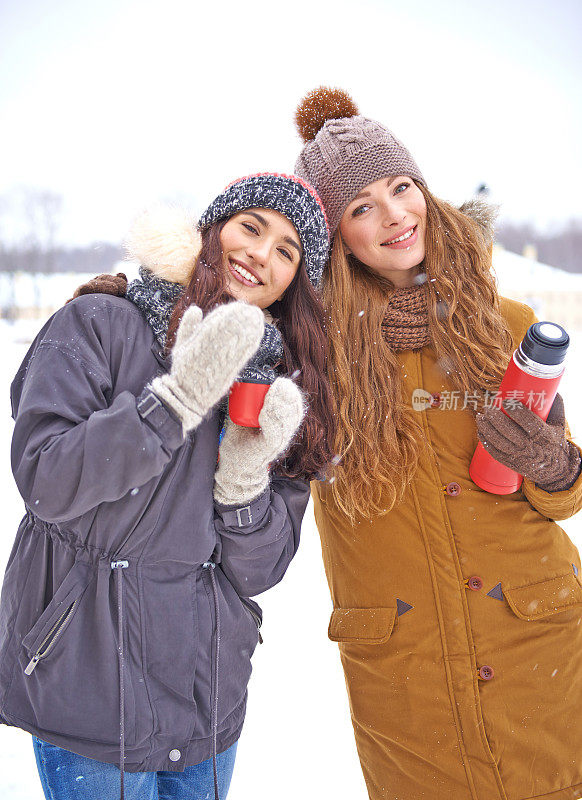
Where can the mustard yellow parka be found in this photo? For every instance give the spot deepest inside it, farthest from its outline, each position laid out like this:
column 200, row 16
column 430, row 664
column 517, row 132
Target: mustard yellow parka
column 459, row 621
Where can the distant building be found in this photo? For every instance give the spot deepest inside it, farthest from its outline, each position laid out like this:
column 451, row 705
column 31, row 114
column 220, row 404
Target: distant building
column 37, row 295
column 553, row 294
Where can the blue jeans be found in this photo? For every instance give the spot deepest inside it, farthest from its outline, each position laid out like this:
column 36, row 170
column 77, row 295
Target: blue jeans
column 67, row 776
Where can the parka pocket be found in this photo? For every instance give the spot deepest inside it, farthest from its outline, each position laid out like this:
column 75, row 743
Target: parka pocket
column 544, row 598
column 362, row 625
column 66, row 677
column 44, row 635
column 239, row 636
column 256, row 613
column 529, row 650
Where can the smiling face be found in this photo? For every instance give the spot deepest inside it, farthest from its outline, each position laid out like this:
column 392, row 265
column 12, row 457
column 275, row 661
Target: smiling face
column 261, row 253
column 384, row 227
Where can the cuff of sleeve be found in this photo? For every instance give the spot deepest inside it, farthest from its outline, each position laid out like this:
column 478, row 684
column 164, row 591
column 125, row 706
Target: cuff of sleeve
column 247, row 515
column 160, row 418
column 555, row 505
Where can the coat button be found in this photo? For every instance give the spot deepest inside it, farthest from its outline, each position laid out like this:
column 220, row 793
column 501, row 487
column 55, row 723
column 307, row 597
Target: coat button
column 475, row 583
column 435, row 400
column 486, row 673
column 453, row 489
column 175, row 755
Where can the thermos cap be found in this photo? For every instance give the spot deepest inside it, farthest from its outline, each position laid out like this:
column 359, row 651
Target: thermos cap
column 545, row 343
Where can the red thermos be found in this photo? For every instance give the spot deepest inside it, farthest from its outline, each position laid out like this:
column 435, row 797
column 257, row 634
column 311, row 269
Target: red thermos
column 532, row 378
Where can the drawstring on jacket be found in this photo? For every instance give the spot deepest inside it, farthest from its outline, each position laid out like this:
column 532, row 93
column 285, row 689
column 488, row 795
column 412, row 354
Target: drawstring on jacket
column 214, row 682
column 120, row 566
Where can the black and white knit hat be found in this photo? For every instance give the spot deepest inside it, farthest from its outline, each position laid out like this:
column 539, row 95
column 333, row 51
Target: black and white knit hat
column 289, row 195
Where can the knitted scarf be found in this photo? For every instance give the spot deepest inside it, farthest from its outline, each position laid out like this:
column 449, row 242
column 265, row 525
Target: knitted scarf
column 405, row 323
column 156, row 298
column 262, row 365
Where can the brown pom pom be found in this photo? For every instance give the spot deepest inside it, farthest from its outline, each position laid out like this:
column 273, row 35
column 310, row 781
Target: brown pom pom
column 320, row 105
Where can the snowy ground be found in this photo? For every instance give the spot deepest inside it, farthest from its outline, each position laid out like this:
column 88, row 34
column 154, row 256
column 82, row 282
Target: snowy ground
column 297, row 739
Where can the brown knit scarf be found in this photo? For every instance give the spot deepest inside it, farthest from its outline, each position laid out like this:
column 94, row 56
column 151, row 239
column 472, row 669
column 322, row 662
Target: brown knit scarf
column 405, row 324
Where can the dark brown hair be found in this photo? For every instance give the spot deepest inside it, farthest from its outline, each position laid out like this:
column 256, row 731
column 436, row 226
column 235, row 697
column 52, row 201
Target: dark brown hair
column 300, row 318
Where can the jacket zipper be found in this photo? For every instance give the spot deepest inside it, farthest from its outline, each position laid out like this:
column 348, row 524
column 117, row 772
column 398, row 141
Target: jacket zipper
column 48, row 642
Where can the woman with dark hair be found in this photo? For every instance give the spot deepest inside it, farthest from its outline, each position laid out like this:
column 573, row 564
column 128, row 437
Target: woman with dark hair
column 126, row 624
column 457, row 611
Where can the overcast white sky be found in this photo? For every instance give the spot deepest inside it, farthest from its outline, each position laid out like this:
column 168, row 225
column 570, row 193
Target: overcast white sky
column 119, row 103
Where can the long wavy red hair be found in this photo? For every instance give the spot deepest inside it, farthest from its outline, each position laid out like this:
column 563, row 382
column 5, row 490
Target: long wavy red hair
column 378, row 440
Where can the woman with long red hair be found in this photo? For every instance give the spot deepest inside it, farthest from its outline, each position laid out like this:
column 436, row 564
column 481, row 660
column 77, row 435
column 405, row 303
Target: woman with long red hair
column 457, row 611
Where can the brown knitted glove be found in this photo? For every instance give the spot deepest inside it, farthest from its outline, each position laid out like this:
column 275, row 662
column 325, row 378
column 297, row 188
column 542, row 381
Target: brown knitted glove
column 103, row 284
column 536, row 449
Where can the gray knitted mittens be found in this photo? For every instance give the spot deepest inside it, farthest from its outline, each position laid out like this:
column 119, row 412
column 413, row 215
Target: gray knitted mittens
column 207, row 356
column 245, row 453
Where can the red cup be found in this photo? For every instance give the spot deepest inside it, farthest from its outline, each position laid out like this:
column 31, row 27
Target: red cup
column 245, row 401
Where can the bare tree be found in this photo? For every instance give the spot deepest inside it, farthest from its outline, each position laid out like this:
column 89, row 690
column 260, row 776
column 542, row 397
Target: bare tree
column 42, row 209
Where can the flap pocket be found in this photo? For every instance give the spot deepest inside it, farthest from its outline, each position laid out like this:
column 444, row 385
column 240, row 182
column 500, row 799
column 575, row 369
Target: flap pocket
column 542, row 599
column 361, row 625
column 70, row 590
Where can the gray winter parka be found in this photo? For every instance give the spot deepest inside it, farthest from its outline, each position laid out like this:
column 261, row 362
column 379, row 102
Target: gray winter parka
column 120, row 508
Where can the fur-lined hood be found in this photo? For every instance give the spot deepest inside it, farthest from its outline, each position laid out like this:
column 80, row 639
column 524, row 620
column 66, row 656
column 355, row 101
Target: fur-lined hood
column 165, row 239
column 484, row 214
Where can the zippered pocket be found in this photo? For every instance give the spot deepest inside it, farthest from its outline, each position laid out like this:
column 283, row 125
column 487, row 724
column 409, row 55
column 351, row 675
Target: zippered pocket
column 50, row 639
column 42, row 638
column 255, row 611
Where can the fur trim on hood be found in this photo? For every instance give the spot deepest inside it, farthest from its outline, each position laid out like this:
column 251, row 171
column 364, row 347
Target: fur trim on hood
column 484, row 214
column 165, row 239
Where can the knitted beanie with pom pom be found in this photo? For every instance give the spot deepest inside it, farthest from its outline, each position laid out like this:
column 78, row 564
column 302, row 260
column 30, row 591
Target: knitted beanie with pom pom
column 344, row 152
